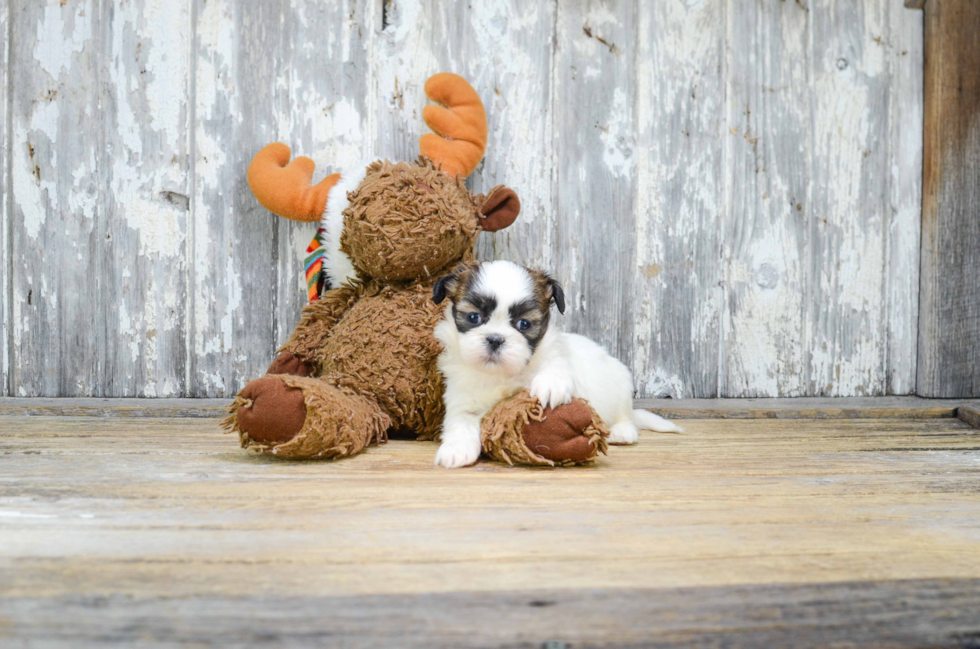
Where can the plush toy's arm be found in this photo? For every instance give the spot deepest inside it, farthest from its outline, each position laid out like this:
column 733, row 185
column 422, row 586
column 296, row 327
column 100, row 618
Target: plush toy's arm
column 310, row 334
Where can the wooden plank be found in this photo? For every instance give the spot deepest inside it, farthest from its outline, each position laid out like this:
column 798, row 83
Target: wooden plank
column 734, row 534
column 798, row 408
column 323, row 114
column 58, row 210
column 595, row 90
column 846, row 278
column 233, row 248
column 851, row 614
column 768, row 142
column 969, row 414
column 146, row 82
column 949, row 301
column 677, row 267
column 6, row 260
column 904, row 58
column 87, row 407
column 806, row 408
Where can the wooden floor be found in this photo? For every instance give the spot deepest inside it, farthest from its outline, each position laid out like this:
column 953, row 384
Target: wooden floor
column 769, row 532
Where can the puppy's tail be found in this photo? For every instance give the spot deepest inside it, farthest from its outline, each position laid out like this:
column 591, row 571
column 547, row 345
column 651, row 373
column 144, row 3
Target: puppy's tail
column 646, row 420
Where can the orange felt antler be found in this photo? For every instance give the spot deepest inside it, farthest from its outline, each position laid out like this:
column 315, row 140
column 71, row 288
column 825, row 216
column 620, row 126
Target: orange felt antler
column 459, row 122
column 285, row 189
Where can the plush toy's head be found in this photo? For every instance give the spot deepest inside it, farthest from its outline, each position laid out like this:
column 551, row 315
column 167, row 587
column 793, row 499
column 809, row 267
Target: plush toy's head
column 396, row 221
column 408, row 220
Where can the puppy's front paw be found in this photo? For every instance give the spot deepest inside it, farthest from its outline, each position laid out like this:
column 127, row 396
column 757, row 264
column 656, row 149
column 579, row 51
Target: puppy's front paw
column 552, row 390
column 623, row 433
column 455, row 453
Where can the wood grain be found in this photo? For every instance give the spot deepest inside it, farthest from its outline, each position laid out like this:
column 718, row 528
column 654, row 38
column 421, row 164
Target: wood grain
column 846, row 277
column 730, row 194
column 6, row 261
column 768, row 142
column 949, row 315
column 854, row 614
column 969, row 414
column 798, row 408
column 238, row 106
column 903, row 211
column 132, row 523
column 57, row 183
column 322, row 113
column 595, row 156
column 90, row 407
column 806, row 408
column 145, row 81
column 680, row 215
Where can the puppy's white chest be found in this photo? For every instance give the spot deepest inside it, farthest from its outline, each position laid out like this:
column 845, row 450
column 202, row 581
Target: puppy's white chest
column 477, row 392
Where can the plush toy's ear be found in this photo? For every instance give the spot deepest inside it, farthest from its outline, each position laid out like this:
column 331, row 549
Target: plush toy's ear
column 459, row 122
column 557, row 294
column 499, row 209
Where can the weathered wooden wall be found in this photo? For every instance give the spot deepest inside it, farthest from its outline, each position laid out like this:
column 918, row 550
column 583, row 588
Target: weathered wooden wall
column 729, row 190
column 949, row 323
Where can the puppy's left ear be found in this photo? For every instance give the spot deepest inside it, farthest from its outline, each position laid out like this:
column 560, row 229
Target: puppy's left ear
column 498, row 209
column 557, row 294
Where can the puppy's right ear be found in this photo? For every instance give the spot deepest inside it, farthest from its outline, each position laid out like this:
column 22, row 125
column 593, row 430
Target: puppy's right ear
column 443, row 286
column 447, row 285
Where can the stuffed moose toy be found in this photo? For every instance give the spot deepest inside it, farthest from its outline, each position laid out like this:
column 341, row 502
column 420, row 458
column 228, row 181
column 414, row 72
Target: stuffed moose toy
column 362, row 360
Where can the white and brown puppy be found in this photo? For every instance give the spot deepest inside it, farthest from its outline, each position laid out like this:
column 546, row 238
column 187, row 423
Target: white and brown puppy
column 496, row 341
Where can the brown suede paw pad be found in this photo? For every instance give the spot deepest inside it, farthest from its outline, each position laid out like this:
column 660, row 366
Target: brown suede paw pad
column 268, row 411
column 558, row 436
column 519, row 431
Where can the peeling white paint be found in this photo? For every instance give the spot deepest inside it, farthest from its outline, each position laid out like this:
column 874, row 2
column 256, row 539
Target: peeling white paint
column 57, row 40
column 617, row 137
column 724, row 274
column 5, row 243
column 36, row 191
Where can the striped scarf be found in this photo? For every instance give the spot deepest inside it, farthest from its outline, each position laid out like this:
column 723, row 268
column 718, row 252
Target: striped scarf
column 316, row 274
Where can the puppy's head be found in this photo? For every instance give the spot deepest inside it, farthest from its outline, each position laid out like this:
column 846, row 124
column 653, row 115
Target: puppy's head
column 501, row 311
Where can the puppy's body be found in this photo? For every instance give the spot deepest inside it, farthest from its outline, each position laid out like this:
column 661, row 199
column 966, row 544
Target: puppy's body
column 496, row 342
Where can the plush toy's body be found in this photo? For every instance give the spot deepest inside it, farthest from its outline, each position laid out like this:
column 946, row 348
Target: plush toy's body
column 362, row 361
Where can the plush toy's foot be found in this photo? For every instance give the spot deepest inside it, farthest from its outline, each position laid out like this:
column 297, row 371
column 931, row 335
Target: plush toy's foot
column 289, row 363
column 271, row 412
column 558, row 436
column 300, row 418
column 520, row 431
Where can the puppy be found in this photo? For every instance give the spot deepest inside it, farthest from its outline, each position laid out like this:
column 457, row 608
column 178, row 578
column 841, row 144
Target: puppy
column 496, row 341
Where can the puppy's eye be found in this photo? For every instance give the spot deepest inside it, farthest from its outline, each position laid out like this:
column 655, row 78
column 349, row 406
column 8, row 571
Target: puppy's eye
column 523, row 325
column 474, row 318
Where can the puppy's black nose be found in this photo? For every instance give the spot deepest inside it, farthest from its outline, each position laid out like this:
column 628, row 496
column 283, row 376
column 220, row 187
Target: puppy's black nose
column 494, row 342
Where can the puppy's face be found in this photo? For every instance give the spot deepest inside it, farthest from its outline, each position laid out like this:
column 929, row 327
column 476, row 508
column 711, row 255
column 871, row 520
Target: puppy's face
column 501, row 311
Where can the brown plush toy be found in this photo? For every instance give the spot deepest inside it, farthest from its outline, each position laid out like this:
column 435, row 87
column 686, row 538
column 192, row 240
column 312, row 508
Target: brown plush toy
column 362, row 360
